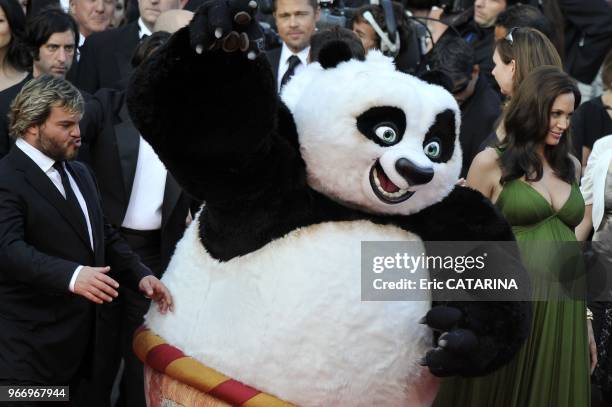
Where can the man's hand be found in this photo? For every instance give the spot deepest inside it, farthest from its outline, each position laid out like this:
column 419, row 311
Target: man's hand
column 93, row 284
column 157, row 291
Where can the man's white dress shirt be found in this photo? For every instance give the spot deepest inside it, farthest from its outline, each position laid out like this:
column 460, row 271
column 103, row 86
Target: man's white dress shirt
column 283, row 63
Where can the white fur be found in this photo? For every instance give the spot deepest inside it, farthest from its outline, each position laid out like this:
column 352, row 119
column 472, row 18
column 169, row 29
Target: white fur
column 288, row 319
column 325, row 104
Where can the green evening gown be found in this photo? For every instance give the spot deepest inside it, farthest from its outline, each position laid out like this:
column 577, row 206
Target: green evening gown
column 552, row 368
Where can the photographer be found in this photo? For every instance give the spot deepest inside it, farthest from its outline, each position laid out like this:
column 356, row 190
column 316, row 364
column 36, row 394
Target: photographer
column 371, row 27
column 476, row 26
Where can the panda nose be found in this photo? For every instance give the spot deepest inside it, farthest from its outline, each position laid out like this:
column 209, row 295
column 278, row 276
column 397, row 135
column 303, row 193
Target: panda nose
column 412, row 173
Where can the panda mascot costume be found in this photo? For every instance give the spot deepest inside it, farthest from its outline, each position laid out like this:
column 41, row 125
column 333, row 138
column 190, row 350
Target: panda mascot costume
column 266, row 280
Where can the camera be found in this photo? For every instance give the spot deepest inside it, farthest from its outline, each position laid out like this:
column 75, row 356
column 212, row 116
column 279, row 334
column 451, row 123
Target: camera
column 334, row 12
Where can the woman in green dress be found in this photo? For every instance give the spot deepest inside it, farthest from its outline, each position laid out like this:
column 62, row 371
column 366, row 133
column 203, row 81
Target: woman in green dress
column 532, row 179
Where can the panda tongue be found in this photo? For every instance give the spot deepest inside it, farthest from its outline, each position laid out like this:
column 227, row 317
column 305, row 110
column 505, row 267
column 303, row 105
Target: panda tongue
column 385, row 182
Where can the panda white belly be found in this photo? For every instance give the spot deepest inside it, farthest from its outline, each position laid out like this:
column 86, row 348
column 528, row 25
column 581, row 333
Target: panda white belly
column 288, row 320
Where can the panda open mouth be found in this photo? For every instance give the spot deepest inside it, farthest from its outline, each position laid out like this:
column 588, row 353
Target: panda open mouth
column 384, row 188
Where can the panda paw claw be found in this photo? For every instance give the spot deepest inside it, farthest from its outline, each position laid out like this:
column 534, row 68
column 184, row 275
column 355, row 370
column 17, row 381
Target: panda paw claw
column 442, row 362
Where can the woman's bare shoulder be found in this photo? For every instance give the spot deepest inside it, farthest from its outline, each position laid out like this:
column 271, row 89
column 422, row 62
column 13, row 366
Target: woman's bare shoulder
column 487, row 159
column 485, row 173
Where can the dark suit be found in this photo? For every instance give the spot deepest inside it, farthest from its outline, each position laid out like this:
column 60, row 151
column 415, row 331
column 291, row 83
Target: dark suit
column 72, row 75
column 193, row 5
column 112, row 143
column 478, row 116
column 273, row 56
column 46, row 329
column 588, row 37
column 106, row 58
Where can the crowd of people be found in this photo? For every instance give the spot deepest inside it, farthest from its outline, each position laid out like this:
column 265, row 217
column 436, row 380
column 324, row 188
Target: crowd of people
column 533, row 81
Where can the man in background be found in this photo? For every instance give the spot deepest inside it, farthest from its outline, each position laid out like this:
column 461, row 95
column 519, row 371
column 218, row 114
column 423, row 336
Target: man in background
column 105, row 57
column 476, row 26
column 295, row 21
column 92, row 16
column 51, row 38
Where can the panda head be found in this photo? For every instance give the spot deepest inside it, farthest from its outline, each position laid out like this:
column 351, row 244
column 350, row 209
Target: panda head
column 375, row 138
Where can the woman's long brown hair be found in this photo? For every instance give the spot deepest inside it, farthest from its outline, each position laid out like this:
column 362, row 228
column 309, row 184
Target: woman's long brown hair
column 527, row 122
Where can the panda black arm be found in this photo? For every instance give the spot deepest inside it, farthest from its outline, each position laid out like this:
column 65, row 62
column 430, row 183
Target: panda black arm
column 212, row 117
column 477, row 337
column 464, row 215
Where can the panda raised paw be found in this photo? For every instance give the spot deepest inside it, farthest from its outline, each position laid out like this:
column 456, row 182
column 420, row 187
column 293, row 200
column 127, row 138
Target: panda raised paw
column 229, row 25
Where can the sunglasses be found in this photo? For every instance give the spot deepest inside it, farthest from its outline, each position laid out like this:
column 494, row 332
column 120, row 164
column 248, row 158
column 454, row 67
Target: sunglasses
column 509, row 36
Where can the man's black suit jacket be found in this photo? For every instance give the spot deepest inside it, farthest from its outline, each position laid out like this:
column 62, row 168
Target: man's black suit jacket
column 106, row 58
column 44, row 328
column 588, row 37
column 273, row 56
column 478, row 116
column 111, row 143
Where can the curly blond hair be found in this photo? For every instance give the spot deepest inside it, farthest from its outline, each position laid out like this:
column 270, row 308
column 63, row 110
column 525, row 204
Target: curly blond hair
column 32, row 105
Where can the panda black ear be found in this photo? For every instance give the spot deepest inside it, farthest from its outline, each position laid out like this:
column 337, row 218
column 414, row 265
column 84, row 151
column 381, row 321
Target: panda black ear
column 436, row 77
column 334, row 52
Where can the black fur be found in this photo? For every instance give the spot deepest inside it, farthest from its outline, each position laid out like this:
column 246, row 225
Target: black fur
column 333, row 53
column 371, row 119
column 216, row 122
column 443, row 131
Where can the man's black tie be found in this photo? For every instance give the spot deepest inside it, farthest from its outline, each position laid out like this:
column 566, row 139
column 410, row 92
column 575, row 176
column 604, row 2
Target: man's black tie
column 70, row 196
column 294, row 61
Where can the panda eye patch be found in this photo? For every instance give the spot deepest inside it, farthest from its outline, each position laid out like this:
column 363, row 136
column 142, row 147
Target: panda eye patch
column 384, row 125
column 442, row 134
column 433, row 149
column 386, row 134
